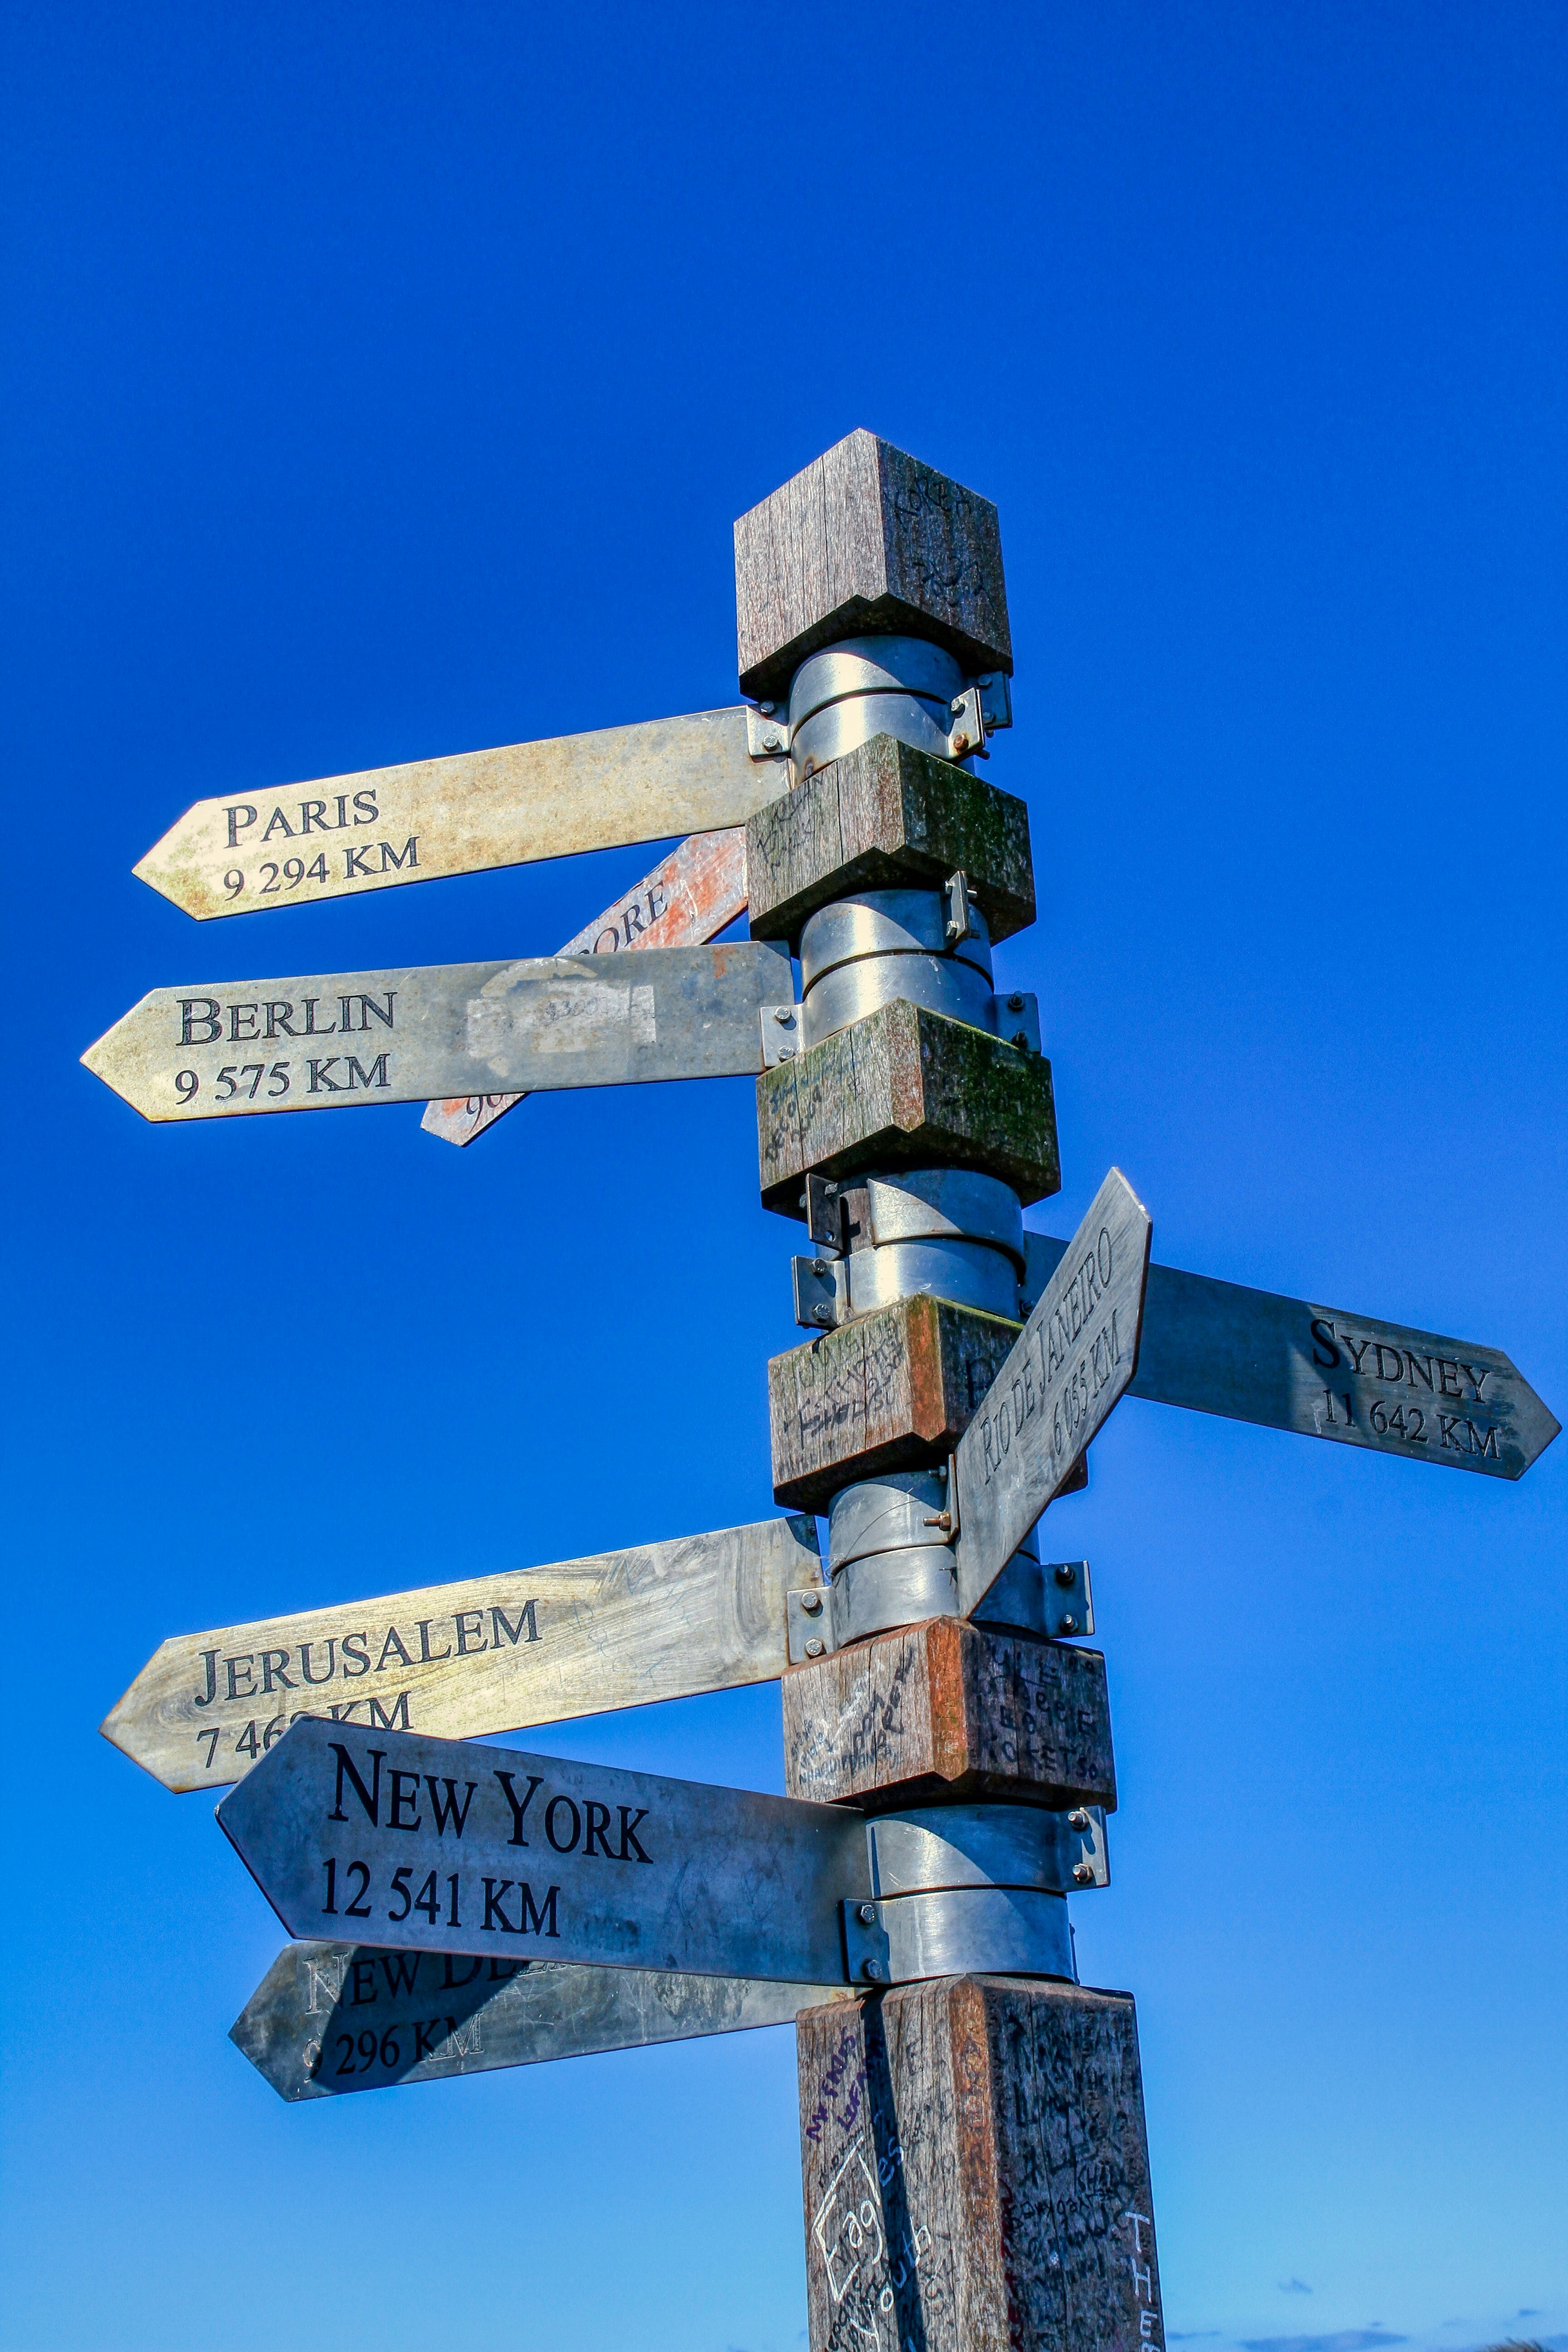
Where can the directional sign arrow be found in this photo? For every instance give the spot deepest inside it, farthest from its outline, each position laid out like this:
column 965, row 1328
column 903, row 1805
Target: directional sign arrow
column 331, row 2017
column 243, row 853
column 438, row 1845
column 1072, row 1360
column 492, row 1654
column 337, row 1040
column 691, row 896
column 1251, row 1355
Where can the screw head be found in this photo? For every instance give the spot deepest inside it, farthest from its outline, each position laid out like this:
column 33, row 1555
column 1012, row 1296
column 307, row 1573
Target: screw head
column 866, row 1914
column 1078, row 1819
column 811, row 1603
column 1066, row 1573
column 1068, row 1625
column 872, row 1970
column 814, row 1648
column 1083, row 1873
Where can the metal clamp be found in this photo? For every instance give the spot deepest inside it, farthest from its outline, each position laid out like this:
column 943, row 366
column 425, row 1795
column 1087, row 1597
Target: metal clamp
column 820, row 1301
column 1016, row 1018
column 962, row 1931
column 966, row 739
column 767, row 733
column 780, row 1025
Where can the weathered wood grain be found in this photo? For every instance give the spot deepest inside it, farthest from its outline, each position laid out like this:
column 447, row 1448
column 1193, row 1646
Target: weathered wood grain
column 690, row 897
column 888, row 818
column 953, row 1710
column 868, row 540
column 890, row 1392
column 491, row 1653
column 975, row 2167
column 906, row 1088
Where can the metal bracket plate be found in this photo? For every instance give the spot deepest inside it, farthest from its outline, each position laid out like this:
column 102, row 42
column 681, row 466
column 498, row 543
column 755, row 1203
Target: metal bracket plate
column 966, row 738
column 996, row 700
column 767, row 733
column 821, row 1302
column 1016, row 1018
column 809, row 1623
column 780, row 1034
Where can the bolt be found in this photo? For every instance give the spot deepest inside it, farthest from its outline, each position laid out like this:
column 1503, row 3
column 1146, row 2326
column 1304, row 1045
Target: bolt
column 1020, row 1038
column 767, row 708
column 811, row 1603
column 1066, row 1573
column 785, row 1015
column 866, row 1914
column 956, row 705
column 822, row 1315
column 873, row 1969
column 1068, row 1625
column 814, row 1649
column 1014, row 1005
column 1083, row 1873
column 772, row 741
column 1078, row 1819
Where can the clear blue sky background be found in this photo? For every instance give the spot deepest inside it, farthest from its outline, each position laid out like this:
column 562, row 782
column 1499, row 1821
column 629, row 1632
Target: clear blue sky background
column 383, row 380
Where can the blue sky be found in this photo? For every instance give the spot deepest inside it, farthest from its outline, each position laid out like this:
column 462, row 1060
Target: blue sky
column 383, row 382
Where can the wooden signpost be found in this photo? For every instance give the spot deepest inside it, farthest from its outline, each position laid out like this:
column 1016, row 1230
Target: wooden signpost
column 975, row 2161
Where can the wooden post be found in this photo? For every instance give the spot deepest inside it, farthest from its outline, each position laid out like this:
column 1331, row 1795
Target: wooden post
column 975, row 2170
column 974, row 2153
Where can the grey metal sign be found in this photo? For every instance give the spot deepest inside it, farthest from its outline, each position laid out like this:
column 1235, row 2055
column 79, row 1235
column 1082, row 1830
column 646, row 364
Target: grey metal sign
column 489, row 1653
column 337, row 1040
column 242, row 853
column 334, row 2018
column 690, row 896
column 1072, row 1361
column 1253, row 1355
column 440, row 1845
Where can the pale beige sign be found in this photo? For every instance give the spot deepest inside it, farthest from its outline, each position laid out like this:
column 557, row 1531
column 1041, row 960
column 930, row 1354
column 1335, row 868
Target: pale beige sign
column 491, row 1654
column 242, row 853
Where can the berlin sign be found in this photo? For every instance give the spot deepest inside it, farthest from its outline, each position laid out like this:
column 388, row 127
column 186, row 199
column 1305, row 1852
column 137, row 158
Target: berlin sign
column 1069, row 1365
column 240, row 854
column 491, row 1654
column 440, row 1845
column 337, row 1040
column 333, row 2018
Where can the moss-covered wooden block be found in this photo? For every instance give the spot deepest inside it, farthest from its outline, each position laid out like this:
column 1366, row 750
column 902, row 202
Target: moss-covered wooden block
column 890, row 1392
column 975, row 2167
column 907, row 1089
column 948, row 1710
column 867, row 539
column 888, row 818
